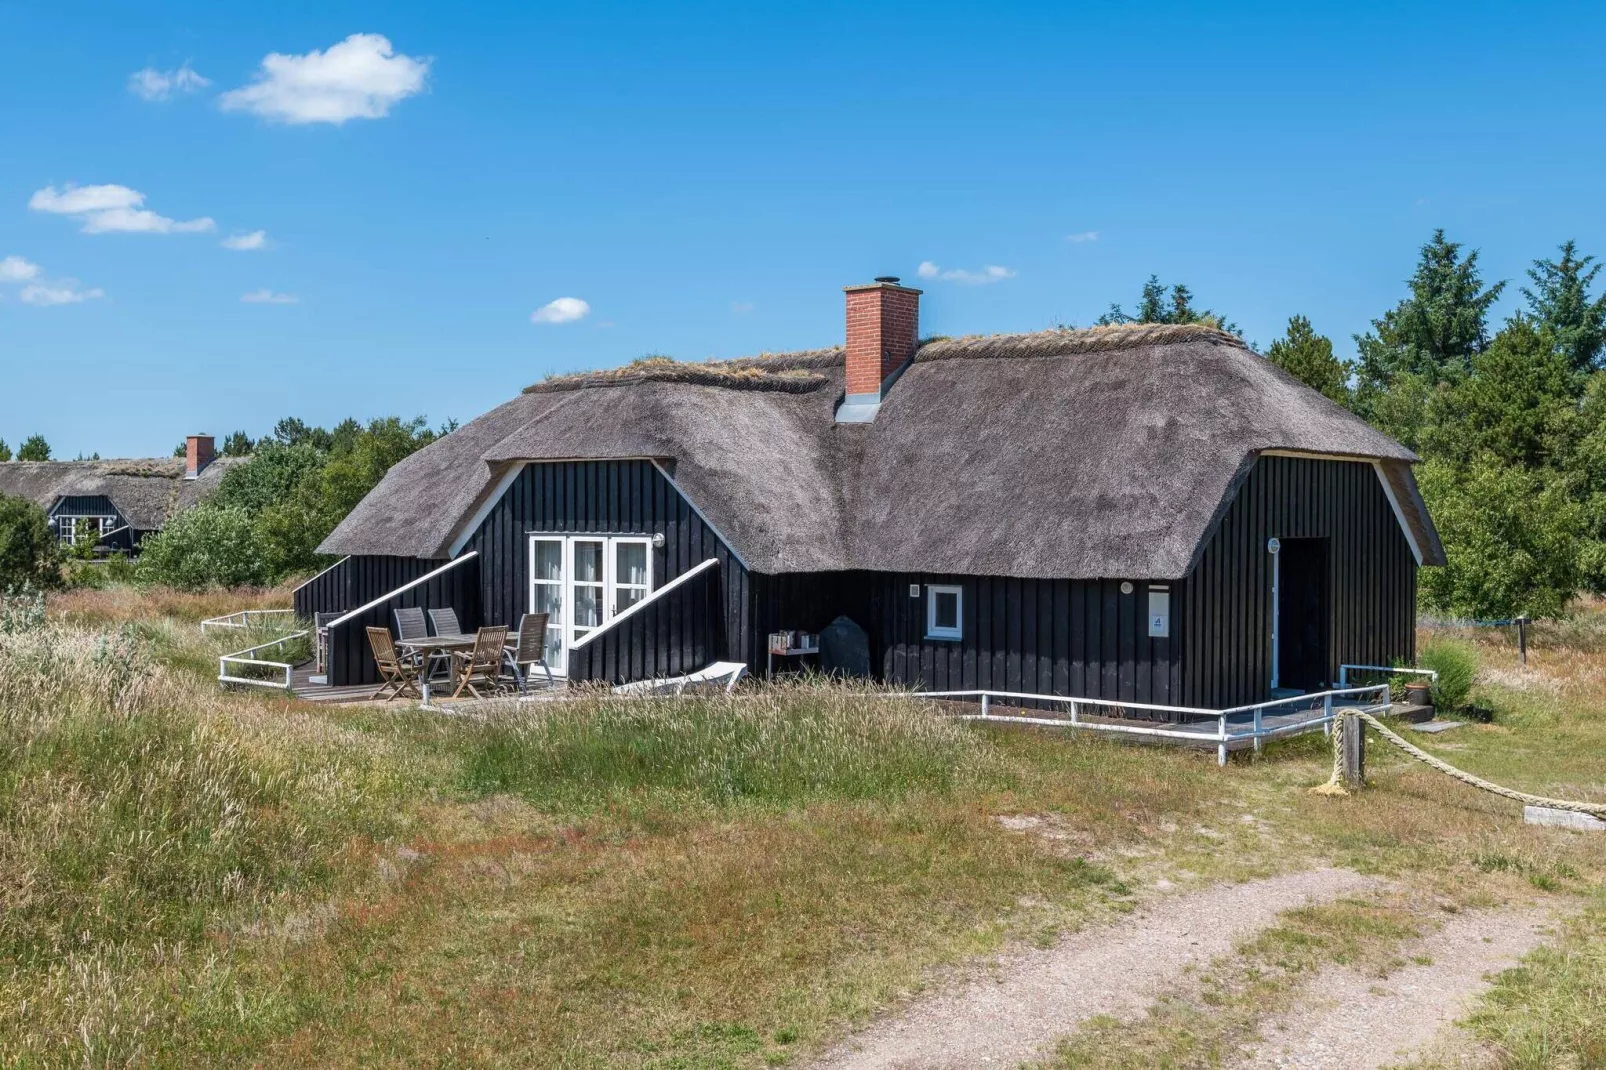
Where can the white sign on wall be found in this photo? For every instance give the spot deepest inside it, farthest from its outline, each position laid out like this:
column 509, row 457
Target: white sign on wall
column 1159, row 613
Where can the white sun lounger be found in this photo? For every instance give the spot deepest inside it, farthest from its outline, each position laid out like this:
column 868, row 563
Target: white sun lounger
column 720, row 676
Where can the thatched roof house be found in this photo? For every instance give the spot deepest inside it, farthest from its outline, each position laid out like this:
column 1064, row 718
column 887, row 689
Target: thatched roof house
column 840, row 481
column 117, row 502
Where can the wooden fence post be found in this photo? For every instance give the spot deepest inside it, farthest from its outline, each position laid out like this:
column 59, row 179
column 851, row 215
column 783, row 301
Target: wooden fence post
column 1354, row 750
column 1522, row 638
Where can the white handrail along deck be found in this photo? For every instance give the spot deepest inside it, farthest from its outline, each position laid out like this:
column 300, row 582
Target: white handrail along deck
column 1224, row 733
column 244, row 658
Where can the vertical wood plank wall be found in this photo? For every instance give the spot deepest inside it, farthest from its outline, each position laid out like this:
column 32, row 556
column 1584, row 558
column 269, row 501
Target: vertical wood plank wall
column 679, row 633
column 1050, row 637
column 357, row 581
column 351, row 660
column 1226, row 631
column 605, row 498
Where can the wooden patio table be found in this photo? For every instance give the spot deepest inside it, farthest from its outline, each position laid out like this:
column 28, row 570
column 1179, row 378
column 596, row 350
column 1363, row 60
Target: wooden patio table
column 428, row 645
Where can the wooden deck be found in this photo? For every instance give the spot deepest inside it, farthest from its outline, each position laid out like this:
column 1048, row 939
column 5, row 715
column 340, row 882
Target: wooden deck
column 312, row 688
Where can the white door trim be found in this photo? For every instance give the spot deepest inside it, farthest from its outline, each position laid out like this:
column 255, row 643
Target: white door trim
column 566, row 583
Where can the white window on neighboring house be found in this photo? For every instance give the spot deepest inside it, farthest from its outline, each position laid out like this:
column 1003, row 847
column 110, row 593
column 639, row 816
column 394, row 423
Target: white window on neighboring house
column 945, row 608
column 72, row 529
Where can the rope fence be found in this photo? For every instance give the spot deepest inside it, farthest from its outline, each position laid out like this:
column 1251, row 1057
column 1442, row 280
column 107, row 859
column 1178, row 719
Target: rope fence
column 1348, row 764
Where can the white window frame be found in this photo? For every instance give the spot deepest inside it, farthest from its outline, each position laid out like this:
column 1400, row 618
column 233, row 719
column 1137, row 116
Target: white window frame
column 933, row 631
column 611, row 586
column 69, row 537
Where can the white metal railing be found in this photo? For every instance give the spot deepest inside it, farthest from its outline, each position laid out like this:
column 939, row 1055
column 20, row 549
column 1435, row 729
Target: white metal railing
column 243, row 658
column 1344, row 671
column 1224, row 733
column 636, row 607
column 409, row 585
column 243, row 619
column 320, row 575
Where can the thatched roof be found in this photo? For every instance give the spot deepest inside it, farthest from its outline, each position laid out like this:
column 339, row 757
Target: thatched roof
column 145, row 492
column 1096, row 453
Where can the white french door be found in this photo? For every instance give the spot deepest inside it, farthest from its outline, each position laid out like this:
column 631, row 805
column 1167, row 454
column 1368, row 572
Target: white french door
column 582, row 582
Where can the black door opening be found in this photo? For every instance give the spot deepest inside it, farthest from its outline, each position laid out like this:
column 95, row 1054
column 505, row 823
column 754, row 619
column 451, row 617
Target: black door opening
column 1302, row 661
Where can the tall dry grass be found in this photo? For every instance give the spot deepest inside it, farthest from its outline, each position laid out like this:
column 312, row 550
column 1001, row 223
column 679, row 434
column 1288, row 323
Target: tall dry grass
column 783, row 746
column 140, row 820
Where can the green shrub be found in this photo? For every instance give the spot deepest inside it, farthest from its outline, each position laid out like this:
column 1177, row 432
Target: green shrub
column 28, row 550
column 1457, row 666
column 208, row 546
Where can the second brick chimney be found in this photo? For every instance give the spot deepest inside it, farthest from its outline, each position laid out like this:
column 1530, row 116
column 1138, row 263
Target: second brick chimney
column 197, row 455
column 883, row 326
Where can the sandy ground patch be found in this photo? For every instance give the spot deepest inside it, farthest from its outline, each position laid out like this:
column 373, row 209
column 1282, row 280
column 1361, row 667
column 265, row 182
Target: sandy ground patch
column 1032, row 997
column 1352, row 1021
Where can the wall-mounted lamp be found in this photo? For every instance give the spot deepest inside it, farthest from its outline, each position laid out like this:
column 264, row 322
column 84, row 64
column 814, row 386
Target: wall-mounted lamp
column 658, row 541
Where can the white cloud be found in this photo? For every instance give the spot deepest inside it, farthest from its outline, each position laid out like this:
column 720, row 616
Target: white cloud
column 40, row 291
column 1084, row 236
column 64, row 292
column 563, row 310
column 152, row 84
column 104, row 209
column 257, row 239
column 16, row 269
column 990, row 273
column 359, row 78
column 266, row 296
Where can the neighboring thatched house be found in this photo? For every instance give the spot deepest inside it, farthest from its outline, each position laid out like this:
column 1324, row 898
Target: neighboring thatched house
column 115, row 504
column 1149, row 513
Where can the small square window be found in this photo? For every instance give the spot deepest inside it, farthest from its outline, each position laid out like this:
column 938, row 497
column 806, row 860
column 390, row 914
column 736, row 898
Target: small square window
column 944, row 611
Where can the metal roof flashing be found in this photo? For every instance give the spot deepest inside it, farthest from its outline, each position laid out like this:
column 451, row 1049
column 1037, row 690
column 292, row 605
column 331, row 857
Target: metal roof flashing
column 858, row 408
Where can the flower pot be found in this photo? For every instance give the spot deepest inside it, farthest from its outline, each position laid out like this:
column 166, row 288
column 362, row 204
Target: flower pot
column 1419, row 694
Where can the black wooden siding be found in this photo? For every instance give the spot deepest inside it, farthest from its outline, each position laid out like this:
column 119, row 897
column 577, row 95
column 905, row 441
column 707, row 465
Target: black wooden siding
column 357, row 581
column 605, row 498
column 125, row 540
column 1226, row 622
column 87, row 505
column 1047, row 637
column 679, row 633
column 350, row 657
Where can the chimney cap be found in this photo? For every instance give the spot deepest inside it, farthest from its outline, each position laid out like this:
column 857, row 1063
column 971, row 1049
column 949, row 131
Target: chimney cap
column 882, row 282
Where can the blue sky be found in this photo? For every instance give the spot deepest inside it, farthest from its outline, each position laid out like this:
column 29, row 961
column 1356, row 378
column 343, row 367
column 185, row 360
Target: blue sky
column 706, row 179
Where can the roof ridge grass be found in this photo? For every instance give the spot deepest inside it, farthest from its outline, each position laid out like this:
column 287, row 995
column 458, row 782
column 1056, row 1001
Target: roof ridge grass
column 796, row 372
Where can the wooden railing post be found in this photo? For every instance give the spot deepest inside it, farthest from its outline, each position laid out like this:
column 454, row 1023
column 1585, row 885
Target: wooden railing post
column 1354, row 753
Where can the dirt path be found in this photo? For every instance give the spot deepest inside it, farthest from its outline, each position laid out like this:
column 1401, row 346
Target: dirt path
column 1351, row 1021
column 1034, row 997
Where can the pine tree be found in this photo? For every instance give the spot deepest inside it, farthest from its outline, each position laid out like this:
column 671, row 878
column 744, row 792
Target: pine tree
column 1518, row 405
column 34, row 448
column 1435, row 332
column 1161, row 305
column 5, row 451
column 1561, row 307
column 238, row 444
column 1308, row 357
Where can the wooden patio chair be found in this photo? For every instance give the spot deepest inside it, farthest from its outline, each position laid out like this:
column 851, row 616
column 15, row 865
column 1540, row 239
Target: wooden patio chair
column 444, row 622
column 483, row 664
column 528, row 650
column 400, row 675
column 410, row 625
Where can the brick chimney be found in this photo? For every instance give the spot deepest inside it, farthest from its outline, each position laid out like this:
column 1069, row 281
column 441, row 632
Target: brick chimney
column 883, row 326
column 197, row 455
